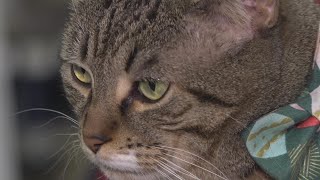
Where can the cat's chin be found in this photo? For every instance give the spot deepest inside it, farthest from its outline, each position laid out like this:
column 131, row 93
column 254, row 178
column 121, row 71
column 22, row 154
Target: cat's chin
column 126, row 167
column 119, row 165
column 119, row 170
column 116, row 175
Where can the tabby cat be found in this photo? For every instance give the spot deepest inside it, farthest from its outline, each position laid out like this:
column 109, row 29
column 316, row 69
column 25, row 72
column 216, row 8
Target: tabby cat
column 163, row 88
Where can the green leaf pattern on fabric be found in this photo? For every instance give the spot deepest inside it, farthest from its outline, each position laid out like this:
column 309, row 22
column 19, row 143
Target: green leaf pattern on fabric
column 309, row 158
column 271, row 133
column 286, row 142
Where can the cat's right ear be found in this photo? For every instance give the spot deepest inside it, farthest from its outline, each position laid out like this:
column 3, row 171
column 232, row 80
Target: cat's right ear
column 264, row 13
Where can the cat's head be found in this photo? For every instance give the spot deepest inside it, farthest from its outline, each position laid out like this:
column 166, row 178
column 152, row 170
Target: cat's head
column 153, row 81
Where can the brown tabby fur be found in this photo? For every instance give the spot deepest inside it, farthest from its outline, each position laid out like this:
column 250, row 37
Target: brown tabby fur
column 226, row 63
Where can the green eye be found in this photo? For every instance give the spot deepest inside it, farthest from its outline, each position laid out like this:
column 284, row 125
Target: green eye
column 81, row 74
column 153, row 90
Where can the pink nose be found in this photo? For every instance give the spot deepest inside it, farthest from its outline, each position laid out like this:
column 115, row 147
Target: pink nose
column 98, row 127
column 95, row 142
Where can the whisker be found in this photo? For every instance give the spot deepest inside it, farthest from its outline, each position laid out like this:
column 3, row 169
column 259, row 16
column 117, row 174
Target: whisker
column 49, row 110
column 182, row 170
column 56, row 135
column 163, row 173
column 141, row 174
column 169, row 169
column 177, row 149
column 63, row 146
column 151, row 168
column 69, row 161
column 81, row 157
column 72, row 145
column 165, row 167
column 195, row 165
column 84, row 159
column 81, row 160
column 158, row 178
column 50, row 121
column 59, row 160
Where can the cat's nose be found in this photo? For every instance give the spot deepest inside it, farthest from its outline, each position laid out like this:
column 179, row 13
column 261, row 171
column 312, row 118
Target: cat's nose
column 95, row 142
column 99, row 127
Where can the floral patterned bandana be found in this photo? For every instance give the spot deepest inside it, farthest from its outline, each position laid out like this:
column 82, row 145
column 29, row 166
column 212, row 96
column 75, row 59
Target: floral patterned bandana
column 286, row 142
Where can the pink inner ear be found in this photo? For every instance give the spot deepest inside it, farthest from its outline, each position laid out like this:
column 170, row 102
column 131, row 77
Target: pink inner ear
column 250, row 3
column 269, row 5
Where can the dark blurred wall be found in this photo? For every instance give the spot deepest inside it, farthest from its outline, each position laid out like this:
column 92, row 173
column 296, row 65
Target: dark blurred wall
column 8, row 155
column 33, row 31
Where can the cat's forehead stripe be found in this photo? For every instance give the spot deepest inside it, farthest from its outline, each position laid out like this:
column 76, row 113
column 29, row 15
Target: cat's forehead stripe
column 131, row 59
column 123, row 87
column 99, row 32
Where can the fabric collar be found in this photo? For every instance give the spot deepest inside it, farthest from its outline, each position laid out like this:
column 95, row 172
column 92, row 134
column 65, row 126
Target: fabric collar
column 286, row 142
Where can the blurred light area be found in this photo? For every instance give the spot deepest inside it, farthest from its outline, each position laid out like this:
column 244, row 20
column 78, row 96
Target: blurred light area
column 34, row 59
column 35, row 29
column 30, row 144
column 8, row 138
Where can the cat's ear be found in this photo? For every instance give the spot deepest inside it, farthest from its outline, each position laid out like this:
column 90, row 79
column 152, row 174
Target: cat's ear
column 264, row 13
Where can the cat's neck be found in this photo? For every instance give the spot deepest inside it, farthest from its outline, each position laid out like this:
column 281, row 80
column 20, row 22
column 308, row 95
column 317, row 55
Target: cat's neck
column 294, row 42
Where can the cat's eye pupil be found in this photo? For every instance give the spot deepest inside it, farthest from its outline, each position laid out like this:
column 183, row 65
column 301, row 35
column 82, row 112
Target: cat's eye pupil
column 153, row 90
column 152, row 86
column 81, row 74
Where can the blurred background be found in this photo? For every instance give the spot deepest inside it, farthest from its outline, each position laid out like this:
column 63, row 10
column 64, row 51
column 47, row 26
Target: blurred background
column 33, row 145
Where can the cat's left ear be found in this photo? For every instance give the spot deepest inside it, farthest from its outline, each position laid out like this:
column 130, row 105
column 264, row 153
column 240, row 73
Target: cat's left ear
column 264, row 13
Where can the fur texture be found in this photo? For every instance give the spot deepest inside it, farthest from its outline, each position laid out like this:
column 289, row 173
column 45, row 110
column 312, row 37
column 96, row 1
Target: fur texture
column 224, row 67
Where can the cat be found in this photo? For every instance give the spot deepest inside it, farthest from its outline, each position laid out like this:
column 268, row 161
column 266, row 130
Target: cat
column 163, row 88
